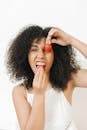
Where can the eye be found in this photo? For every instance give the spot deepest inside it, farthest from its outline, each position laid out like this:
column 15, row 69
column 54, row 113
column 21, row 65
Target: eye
column 33, row 49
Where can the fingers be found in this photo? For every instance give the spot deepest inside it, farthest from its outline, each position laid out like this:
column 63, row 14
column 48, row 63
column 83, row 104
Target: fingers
column 48, row 39
column 38, row 76
column 39, row 82
column 44, row 81
column 59, row 37
column 52, row 33
column 59, row 42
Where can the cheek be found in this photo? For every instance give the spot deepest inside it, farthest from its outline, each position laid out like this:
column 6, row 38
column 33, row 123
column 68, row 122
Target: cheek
column 30, row 59
column 52, row 59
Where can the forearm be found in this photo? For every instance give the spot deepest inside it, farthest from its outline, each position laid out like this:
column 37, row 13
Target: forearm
column 36, row 119
column 80, row 46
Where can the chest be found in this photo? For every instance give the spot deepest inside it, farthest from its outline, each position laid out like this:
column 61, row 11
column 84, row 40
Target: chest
column 58, row 112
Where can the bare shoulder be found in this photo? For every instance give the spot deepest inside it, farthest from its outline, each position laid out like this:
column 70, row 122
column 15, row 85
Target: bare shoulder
column 19, row 90
column 19, row 95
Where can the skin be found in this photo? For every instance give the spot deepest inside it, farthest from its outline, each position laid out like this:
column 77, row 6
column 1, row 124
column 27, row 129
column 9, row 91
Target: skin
column 27, row 115
column 38, row 54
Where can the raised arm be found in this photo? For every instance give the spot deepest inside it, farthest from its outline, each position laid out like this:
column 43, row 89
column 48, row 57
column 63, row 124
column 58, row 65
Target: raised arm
column 58, row 36
column 64, row 39
column 79, row 45
column 80, row 78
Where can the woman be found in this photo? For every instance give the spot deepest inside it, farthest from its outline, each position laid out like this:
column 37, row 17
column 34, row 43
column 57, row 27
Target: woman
column 43, row 100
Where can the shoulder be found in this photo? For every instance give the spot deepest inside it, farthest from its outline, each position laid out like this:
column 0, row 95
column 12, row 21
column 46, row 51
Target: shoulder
column 19, row 91
column 19, row 97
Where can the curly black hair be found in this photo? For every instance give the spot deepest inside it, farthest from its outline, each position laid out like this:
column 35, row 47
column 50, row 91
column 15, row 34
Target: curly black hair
column 17, row 58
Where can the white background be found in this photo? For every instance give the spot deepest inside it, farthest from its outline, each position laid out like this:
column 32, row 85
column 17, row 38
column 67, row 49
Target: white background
column 69, row 15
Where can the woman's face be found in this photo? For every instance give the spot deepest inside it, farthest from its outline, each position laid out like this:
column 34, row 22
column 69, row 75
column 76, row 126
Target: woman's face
column 39, row 57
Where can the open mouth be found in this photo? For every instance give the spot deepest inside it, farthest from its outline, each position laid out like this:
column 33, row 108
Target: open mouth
column 40, row 64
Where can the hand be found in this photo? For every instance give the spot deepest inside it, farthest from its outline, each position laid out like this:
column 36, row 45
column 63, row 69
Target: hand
column 39, row 81
column 58, row 36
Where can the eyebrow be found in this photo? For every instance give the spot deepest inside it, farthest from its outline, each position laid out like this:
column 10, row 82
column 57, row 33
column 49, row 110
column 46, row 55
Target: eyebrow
column 34, row 45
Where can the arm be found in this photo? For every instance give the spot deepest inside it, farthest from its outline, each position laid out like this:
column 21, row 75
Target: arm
column 31, row 118
column 64, row 39
column 80, row 78
column 82, row 47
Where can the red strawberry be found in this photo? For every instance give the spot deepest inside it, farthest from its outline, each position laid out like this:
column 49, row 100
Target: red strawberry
column 48, row 47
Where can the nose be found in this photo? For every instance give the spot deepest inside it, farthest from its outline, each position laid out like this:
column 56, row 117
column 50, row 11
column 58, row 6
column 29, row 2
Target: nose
column 41, row 53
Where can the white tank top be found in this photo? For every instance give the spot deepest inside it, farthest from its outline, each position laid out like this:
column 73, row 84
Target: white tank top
column 58, row 111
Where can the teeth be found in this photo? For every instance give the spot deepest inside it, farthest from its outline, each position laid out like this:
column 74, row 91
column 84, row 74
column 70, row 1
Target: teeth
column 40, row 64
